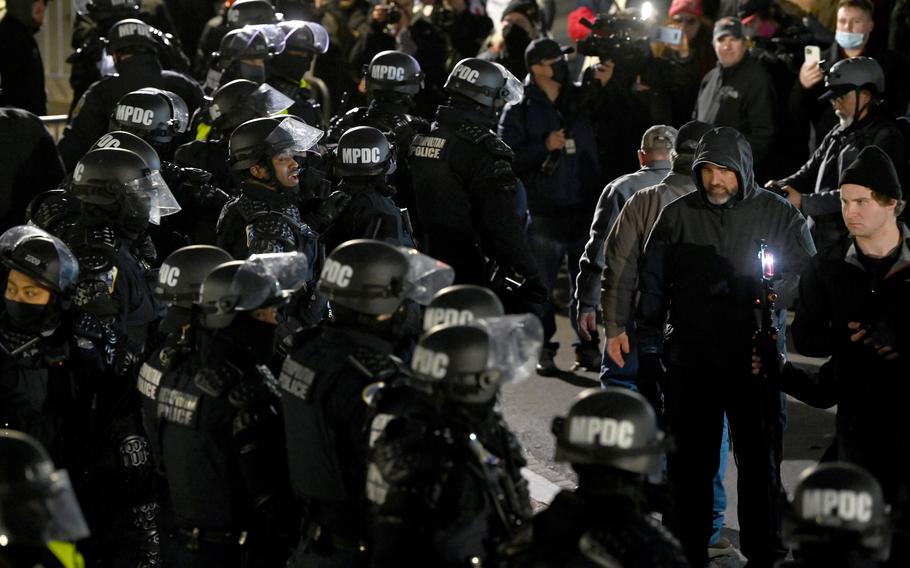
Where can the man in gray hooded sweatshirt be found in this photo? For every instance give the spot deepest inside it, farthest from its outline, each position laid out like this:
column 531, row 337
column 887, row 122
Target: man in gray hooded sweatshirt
column 700, row 273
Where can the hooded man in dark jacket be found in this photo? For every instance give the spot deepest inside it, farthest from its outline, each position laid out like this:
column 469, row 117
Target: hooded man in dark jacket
column 700, row 269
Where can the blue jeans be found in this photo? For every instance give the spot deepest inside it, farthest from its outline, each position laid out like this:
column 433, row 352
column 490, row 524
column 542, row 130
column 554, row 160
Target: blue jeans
column 720, row 496
column 612, row 375
column 552, row 242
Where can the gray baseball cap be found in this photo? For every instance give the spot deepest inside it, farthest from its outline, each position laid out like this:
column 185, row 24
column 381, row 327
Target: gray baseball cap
column 659, row 137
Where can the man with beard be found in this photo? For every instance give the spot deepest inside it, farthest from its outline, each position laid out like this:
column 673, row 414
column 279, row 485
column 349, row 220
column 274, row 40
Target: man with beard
column 855, row 88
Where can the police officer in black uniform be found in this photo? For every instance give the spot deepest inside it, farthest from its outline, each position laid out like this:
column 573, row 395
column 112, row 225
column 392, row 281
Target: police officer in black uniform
column 134, row 48
column 239, row 14
column 41, row 517
column 465, row 187
column 363, row 162
column 242, row 55
column 445, row 481
column 232, row 104
column 612, row 440
column 461, row 304
column 303, row 42
column 219, row 425
column 38, row 373
column 116, row 318
column 370, row 286
column 159, row 117
column 392, row 80
column 837, row 518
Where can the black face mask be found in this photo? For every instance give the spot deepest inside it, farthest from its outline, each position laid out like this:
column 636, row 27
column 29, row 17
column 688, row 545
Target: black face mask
column 257, row 336
column 516, row 40
column 560, row 71
column 253, row 73
column 29, row 317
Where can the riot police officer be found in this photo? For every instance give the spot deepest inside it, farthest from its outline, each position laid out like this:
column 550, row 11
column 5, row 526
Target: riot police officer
column 612, row 440
column 157, row 116
column 135, row 50
column 232, row 104
column 219, row 425
column 39, row 376
column 116, row 314
column 303, row 42
column 461, row 304
column 465, row 186
column 242, row 55
column 370, row 286
column 837, row 518
column 446, row 483
column 238, row 14
column 363, row 162
column 392, row 79
column 41, row 517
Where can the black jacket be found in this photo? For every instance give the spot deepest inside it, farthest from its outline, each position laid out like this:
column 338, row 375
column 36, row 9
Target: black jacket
column 21, row 68
column 835, row 289
column 700, row 263
column 741, row 96
column 91, row 116
column 819, row 178
column 465, row 191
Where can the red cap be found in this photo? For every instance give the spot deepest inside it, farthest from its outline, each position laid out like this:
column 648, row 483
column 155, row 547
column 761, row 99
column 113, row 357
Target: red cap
column 688, row 6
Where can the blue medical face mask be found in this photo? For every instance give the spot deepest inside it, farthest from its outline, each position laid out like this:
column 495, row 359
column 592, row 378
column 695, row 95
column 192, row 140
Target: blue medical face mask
column 849, row 40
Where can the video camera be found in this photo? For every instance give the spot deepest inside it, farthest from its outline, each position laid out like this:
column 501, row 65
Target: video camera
column 789, row 44
column 623, row 38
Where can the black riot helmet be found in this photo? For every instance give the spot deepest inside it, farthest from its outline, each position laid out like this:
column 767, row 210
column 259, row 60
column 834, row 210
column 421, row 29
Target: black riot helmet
column 394, row 71
column 131, row 142
column 183, row 271
column 363, row 151
column 302, row 41
column 612, row 427
column 132, row 35
column 469, row 363
column 374, row 278
column 250, row 42
column 37, row 501
column 153, row 114
column 117, row 186
column 250, row 12
column 461, row 304
column 241, row 100
column 261, row 281
column 484, row 82
column 40, row 256
column 257, row 140
column 838, row 509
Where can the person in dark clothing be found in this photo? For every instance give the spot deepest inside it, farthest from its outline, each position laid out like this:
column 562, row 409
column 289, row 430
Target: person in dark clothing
column 854, row 532
column 345, row 20
column 372, row 287
column 39, row 374
column 552, row 135
column 303, row 42
column 218, row 422
column 855, row 90
column 243, row 53
column 520, row 25
column 854, row 28
column 852, row 298
column 699, row 269
column 465, row 186
column 363, row 162
column 29, row 163
column 738, row 92
column 134, row 51
column 20, row 59
column 41, row 516
column 613, row 463
column 445, row 479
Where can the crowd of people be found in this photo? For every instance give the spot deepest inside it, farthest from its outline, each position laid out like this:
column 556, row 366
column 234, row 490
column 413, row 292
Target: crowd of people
column 263, row 293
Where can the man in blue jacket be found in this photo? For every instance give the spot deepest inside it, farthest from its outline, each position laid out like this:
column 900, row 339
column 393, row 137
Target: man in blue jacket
column 556, row 159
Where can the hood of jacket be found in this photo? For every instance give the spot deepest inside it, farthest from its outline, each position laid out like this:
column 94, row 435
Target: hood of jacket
column 726, row 147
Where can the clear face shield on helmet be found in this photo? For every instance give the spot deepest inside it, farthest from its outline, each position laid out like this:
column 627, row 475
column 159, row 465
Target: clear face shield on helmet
column 273, row 35
column 319, row 34
column 181, row 114
column 515, row 343
column 513, row 90
column 271, row 279
column 426, row 276
column 41, row 510
column 294, row 135
column 149, row 194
